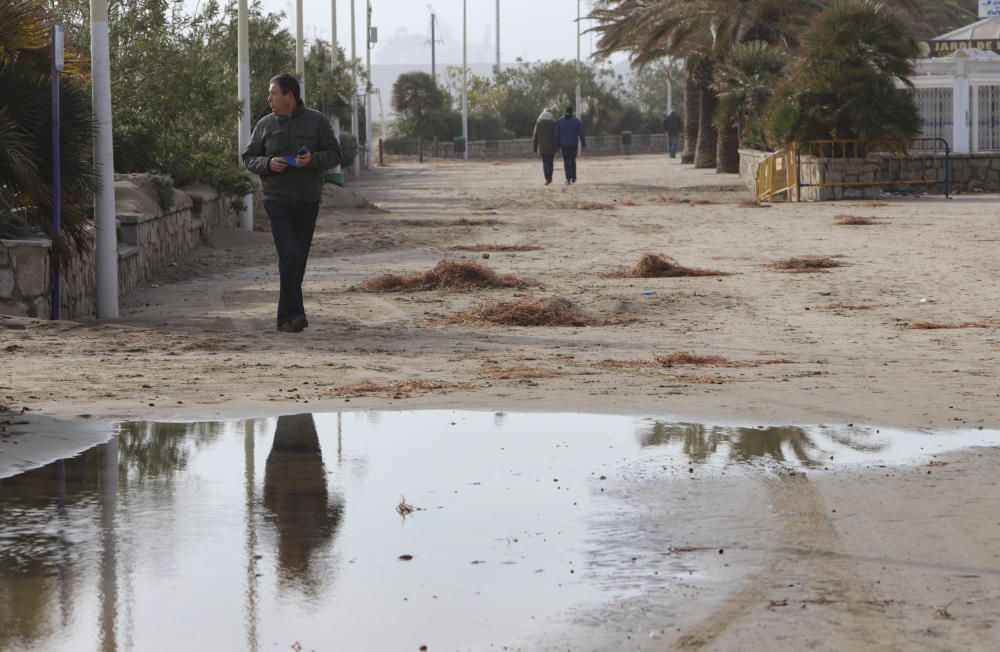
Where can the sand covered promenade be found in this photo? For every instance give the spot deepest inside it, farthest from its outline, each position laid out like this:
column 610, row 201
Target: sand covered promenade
column 901, row 331
column 831, row 346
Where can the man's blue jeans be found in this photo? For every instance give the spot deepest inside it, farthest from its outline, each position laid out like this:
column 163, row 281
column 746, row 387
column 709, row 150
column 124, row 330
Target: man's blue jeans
column 672, row 141
column 569, row 161
column 292, row 225
column 547, row 165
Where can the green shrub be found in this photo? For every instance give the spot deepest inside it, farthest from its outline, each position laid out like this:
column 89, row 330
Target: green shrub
column 845, row 85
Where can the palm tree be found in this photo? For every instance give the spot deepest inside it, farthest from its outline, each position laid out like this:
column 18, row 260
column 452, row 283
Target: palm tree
column 702, row 32
column 744, row 81
column 845, row 85
column 26, row 130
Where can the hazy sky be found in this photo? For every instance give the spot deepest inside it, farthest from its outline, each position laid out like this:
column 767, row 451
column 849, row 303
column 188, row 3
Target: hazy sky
column 530, row 29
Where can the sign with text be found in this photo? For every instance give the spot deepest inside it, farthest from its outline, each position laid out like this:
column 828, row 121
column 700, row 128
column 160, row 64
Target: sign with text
column 945, row 48
column 989, row 8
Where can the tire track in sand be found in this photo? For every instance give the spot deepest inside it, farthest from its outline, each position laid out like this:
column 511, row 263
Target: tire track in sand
column 812, row 561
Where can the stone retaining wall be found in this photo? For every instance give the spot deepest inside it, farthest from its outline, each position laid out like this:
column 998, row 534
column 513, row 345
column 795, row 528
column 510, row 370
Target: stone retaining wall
column 521, row 148
column 149, row 239
column 969, row 173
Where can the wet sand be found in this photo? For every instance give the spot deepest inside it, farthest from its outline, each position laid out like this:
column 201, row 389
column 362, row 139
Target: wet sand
column 907, row 561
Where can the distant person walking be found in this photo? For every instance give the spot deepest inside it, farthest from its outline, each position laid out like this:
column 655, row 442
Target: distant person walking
column 544, row 141
column 289, row 150
column 673, row 125
column 568, row 133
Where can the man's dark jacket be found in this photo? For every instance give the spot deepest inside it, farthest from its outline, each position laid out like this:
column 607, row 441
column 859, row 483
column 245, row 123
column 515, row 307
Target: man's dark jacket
column 673, row 124
column 279, row 135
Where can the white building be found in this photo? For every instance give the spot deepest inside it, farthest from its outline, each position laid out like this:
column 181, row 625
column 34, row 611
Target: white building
column 957, row 87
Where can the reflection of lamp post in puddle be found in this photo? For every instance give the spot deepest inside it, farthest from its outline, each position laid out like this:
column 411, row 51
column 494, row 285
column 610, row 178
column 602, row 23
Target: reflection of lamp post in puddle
column 109, row 563
column 251, row 534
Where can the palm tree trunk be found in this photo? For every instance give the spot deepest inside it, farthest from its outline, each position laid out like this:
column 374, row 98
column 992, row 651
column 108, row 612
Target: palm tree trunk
column 727, row 153
column 691, row 103
column 704, row 151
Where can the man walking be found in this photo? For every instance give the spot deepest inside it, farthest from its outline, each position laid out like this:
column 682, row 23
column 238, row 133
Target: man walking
column 569, row 131
column 289, row 150
column 673, row 125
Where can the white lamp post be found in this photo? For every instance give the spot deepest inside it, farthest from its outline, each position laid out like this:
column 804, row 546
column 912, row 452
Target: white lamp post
column 243, row 77
column 106, row 245
column 354, row 95
column 465, row 80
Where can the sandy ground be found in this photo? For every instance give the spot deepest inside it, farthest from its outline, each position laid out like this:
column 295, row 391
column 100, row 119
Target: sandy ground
column 909, row 559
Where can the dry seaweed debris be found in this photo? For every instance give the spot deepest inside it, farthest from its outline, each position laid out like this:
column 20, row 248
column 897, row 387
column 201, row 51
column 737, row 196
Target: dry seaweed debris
column 805, row 264
column 495, row 371
column 660, row 266
column 527, row 246
column 929, row 325
column 393, row 389
column 446, row 275
column 404, row 508
column 624, row 364
column 488, row 221
column 847, row 306
column 686, row 358
column 857, row 220
column 590, row 206
column 525, row 311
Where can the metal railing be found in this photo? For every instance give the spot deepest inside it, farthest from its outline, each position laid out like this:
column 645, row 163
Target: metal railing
column 777, row 177
column 518, row 148
column 840, row 165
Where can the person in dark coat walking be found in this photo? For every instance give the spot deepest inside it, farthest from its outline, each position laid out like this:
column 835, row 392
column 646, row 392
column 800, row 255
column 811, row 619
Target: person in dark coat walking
column 569, row 133
column 289, row 150
column 544, row 142
column 673, row 125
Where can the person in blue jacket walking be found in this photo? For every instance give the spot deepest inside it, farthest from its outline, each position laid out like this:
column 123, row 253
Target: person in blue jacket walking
column 568, row 132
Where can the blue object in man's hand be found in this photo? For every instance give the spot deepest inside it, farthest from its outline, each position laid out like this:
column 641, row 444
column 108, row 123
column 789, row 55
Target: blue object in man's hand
column 291, row 159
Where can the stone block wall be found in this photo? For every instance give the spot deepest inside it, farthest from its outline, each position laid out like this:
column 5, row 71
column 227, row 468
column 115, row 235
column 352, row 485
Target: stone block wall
column 521, row 148
column 24, row 278
column 969, row 173
column 149, row 239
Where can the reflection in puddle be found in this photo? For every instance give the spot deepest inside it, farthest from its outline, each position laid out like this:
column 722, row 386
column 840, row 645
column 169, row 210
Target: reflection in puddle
column 263, row 533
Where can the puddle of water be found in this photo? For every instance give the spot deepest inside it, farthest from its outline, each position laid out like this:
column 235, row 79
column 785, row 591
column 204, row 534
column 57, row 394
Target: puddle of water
column 264, row 533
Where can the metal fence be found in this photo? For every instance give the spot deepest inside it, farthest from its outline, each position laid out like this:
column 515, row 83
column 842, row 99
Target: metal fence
column 936, row 111
column 518, row 148
column 986, row 125
column 839, row 165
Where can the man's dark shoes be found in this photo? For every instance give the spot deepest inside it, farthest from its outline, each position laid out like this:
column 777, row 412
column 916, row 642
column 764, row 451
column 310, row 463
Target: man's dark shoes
column 296, row 325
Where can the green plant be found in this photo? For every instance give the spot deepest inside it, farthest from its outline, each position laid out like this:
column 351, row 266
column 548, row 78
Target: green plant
column 845, row 85
column 744, row 81
column 26, row 130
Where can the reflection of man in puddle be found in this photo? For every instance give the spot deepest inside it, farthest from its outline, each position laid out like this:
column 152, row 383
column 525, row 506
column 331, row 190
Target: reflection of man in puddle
column 295, row 492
